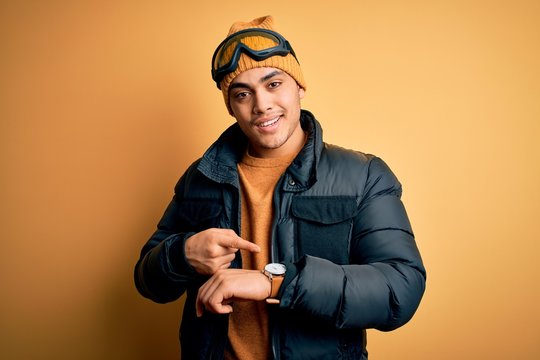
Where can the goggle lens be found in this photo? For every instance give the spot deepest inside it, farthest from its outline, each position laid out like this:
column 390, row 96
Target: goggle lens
column 254, row 40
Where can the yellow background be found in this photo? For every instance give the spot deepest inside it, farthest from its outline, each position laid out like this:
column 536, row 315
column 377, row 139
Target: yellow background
column 103, row 104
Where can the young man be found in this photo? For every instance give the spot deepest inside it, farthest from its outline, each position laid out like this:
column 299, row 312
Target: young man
column 287, row 247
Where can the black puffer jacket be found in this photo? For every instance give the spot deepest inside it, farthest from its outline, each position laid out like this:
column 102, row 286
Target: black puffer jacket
column 340, row 227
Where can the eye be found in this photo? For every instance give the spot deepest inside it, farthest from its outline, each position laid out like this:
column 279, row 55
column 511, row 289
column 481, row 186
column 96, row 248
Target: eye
column 274, row 84
column 240, row 95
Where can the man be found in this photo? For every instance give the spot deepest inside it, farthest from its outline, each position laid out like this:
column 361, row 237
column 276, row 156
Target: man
column 287, row 247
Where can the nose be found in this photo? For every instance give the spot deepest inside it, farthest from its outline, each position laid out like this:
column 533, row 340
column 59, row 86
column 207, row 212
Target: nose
column 262, row 103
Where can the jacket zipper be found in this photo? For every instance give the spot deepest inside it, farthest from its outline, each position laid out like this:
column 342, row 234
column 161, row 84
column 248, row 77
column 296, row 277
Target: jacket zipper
column 274, row 256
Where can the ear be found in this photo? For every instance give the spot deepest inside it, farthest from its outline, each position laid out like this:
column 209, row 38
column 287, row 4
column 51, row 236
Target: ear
column 301, row 92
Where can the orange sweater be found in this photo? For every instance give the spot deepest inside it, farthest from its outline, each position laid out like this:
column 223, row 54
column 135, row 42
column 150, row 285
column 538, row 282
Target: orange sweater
column 248, row 323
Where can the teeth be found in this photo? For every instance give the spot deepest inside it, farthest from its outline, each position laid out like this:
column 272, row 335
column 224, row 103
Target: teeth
column 269, row 122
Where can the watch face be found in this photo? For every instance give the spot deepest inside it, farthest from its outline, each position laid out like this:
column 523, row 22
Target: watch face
column 275, row 268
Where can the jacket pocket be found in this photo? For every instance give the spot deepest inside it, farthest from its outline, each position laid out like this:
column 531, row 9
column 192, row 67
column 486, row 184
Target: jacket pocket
column 197, row 215
column 323, row 226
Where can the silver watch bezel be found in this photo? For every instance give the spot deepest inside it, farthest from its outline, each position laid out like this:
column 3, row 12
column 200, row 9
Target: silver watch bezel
column 275, row 269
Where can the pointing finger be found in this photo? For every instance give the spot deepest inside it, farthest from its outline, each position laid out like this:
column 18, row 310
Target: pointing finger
column 239, row 243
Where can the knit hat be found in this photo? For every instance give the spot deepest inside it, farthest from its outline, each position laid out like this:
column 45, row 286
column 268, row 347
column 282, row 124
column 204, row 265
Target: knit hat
column 287, row 63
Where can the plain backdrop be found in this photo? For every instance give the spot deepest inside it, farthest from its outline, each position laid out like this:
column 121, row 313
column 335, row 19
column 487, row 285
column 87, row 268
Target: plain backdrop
column 103, row 104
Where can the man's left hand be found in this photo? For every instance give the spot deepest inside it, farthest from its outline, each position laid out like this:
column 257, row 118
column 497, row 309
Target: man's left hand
column 228, row 285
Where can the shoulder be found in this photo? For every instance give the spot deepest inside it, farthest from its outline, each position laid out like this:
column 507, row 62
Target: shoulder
column 350, row 166
column 336, row 158
column 334, row 155
column 191, row 175
column 334, row 152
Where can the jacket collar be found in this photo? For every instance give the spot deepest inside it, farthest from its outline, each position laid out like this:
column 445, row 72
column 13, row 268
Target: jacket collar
column 220, row 160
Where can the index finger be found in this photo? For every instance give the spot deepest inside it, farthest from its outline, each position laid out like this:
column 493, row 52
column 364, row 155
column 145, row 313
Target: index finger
column 239, row 243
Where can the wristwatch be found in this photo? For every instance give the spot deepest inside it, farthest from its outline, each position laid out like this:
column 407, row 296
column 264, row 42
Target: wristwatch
column 275, row 273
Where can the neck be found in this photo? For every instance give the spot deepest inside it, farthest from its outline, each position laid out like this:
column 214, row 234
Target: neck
column 293, row 145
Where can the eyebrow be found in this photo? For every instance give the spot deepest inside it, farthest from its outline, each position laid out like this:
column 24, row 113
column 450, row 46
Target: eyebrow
column 261, row 80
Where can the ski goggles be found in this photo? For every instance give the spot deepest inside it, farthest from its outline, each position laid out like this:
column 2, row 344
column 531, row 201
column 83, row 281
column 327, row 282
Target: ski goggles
column 258, row 44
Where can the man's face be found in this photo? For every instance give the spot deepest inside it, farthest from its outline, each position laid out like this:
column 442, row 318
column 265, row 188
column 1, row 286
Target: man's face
column 266, row 105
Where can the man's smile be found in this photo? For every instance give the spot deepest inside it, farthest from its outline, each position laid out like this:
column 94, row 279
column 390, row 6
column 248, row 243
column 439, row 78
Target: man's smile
column 268, row 123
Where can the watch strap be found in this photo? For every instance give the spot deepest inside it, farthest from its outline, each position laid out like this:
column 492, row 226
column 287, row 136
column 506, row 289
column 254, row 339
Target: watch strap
column 275, row 285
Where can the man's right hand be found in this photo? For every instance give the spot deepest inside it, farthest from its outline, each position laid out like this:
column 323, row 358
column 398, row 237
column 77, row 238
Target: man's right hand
column 213, row 249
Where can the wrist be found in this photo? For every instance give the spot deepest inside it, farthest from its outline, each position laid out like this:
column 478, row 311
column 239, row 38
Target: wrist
column 267, row 284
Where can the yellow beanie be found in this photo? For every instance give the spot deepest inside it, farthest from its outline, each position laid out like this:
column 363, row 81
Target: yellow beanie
column 287, row 63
